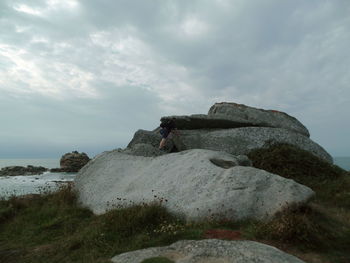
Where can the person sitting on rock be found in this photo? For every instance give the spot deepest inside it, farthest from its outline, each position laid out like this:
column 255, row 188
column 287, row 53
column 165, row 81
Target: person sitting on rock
column 167, row 127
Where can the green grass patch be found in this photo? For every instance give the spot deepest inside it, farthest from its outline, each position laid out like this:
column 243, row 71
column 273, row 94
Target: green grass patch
column 53, row 226
column 324, row 225
column 330, row 182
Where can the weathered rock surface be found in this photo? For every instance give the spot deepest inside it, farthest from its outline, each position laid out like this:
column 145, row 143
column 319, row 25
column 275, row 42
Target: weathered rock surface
column 257, row 117
column 235, row 141
column 149, row 137
column 73, row 162
column 193, row 184
column 231, row 115
column 143, row 149
column 211, row 251
column 243, row 140
column 21, row 170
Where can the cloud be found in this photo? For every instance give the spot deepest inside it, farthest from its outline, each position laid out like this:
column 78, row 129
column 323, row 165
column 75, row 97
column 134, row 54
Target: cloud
column 66, row 58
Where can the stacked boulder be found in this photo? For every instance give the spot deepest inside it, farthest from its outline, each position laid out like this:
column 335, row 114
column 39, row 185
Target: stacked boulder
column 204, row 172
column 236, row 129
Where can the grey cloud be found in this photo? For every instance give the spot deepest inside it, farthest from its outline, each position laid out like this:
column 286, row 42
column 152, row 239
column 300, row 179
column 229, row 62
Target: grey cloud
column 51, row 126
column 287, row 55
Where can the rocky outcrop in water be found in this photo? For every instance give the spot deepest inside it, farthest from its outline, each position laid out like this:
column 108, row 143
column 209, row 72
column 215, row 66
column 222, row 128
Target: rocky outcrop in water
column 72, row 162
column 21, row 170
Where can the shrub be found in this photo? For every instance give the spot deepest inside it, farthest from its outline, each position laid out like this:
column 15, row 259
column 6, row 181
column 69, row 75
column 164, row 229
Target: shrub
column 330, row 182
column 301, row 226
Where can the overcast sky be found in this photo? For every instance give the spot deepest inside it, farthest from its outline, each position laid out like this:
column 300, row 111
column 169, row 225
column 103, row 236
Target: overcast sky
column 85, row 75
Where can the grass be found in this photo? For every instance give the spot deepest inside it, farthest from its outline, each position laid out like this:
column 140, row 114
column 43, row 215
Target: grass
column 53, row 228
column 323, row 226
column 157, row 260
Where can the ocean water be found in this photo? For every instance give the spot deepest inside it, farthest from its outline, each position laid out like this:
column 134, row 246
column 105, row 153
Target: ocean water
column 33, row 184
column 48, row 163
column 343, row 162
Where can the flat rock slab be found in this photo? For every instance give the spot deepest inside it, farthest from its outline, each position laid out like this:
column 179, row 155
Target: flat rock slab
column 202, row 121
column 231, row 115
column 190, row 182
column 244, row 140
column 211, row 251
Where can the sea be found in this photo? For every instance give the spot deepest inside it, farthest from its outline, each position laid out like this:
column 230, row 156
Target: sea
column 48, row 182
column 32, row 184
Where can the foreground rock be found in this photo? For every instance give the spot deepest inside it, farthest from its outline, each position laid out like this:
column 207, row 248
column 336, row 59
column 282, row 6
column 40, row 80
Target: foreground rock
column 235, row 141
column 197, row 184
column 211, row 251
column 232, row 115
column 72, row 162
column 21, row 170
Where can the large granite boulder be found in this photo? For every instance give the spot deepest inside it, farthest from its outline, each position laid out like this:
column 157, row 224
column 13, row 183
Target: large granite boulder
column 143, row 149
column 235, row 141
column 257, row 117
column 197, row 184
column 21, row 170
column 73, row 162
column 243, row 140
column 210, row 251
column 231, row 115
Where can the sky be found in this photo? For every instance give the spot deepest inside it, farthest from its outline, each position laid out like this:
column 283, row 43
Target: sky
column 85, row 75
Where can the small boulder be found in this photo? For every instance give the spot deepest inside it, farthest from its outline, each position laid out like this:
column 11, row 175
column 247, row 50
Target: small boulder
column 73, row 162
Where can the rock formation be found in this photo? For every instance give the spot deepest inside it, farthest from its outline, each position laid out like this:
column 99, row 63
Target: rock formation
column 234, row 128
column 204, row 173
column 232, row 115
column 197, row 184
column 72, row 162
column 210, row 251
column 21, row 170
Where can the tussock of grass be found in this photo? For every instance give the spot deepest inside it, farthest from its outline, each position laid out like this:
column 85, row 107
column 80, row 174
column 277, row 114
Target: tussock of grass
column 322, row 226
column 302, row 226
column 330, row 182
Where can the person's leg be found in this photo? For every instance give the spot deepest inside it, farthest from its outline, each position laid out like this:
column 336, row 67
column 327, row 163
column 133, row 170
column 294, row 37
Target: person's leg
column 162, row 143
column 164, row 132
